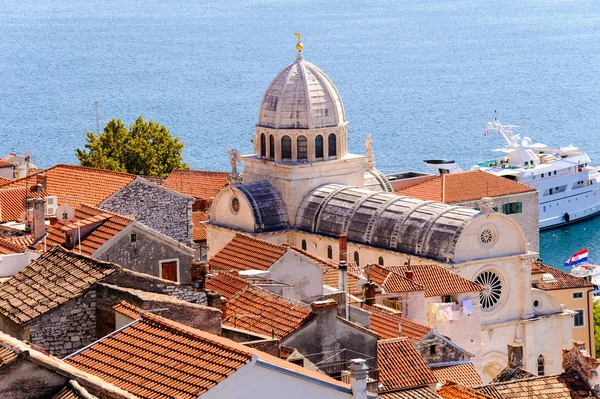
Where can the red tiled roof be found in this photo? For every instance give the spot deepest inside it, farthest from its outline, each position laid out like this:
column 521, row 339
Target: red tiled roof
column 197, row 183
column 264, row 312
column 438, row 281
column 158, row 358
column 8, row 247
column 246, row 253
column 561, row 281
column 464, row 374
column 25, row 240
column 46, row 283
column 401, row 366
column 80, row 184
column 199, row 231
column 386, row 324
column 4, row 180
column 464, row 186
column 392, row 281
column 12, row 202
column 5, row 163
column 452, row 390
column 108, row 225
column 411, row 393
column 227, row 284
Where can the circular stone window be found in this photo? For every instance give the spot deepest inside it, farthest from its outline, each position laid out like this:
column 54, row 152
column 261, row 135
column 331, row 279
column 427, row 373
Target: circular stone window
column 490, row 296
column 487, row 236
column 536, row 303
column 235, row 204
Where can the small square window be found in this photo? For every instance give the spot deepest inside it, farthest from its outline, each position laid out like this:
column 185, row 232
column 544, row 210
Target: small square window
column 578, row 319
column 447, row 299
column 432, row 349
column 133, row 237
column 577, row 295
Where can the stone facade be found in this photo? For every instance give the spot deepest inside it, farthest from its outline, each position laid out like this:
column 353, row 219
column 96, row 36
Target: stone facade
column 68, row 328
column 157, row 207
column 434, row 349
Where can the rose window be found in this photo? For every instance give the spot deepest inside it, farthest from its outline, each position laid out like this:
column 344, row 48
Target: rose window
column 492, row 293
column 486, row 236
column 235, row 204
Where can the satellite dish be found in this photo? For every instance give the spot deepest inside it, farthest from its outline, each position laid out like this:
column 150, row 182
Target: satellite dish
column 526, row 142
column 64, row 213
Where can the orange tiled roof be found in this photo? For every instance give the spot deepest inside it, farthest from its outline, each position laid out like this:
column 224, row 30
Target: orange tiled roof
column 438, row 281
column 25, row 240
column 199, row 231
column 391, row 281
column 197, row 183
column 46, row 283
column 4, row 180
column 108, row 225
column 12, row 201
column 7, row 356
column 561, row 281
column 246, row 253
column 386, row 324
column 411, row 393
column 565, row 385
column 158, row 358
column 8, row 247
column 80, row 184
column 73, row 391
column 264, row 312
column 401, row 366
column 452, row 390
column 463, row 373
column 464, row 186
column 227, row 284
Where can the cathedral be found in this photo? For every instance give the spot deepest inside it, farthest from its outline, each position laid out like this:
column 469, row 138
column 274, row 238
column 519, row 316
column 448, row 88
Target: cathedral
column 302, row 187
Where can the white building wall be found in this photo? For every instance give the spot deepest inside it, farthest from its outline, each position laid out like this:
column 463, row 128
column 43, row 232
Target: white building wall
column 13, row 263
column 305, row 277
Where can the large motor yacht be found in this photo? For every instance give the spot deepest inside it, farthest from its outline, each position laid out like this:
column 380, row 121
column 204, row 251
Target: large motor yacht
column 568, row 186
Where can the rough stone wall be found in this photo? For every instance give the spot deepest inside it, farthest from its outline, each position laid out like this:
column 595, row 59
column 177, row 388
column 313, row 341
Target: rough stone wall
column 156, row 207
column 528, row 219
column 145, row 254
column 67, row 328
column 442, row 351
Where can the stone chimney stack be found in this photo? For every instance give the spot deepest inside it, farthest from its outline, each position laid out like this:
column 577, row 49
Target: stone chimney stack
column 223, row 308
column 370, row 292
column 515, row 355
column 39, row 217
column 343, row 247
column 198, row 274
column 42, row 180
column 343, row 277
column 409, row 273
column 358, row 378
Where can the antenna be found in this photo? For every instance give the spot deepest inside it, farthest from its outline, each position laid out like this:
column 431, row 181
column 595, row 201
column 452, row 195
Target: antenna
column 26, row 158
column 96, row 107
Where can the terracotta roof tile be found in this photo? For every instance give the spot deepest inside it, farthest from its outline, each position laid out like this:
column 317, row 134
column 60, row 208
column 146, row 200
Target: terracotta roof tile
column 227, row 285
column 464, row 186
column 510, row 374
column 24, row 240
column 561, row 281
column 73, row 391
column 8, row 247
column 386, row 324
column 107, row 226
column 438, row 281
column 158, row 358
column 81, row 185
column 392, row 281
column 12, row 202
column 199, row 230
column 411, row 393
column 264, row 312
column 4, row 181
column 566, row 385
column 197, row 183
column 464, row 374
column 4, row 163
column 7, row 356
column 452, row 390
column 246, row 253
column 54, row 278
column 401, row 366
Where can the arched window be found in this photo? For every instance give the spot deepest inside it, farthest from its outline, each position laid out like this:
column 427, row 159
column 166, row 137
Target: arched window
column 380, row 261
column 332, row 145
column 304, row 245
column 541, row 362
column 286, row 147
column 356, row 259
column 271, row 147
column 263, row 145
column 319, row 146
column 302, row 151
column 329, row 252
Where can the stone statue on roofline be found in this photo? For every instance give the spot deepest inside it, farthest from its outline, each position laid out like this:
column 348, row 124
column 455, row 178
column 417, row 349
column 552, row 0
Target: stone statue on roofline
column 486, row 205
column 370, row 160
column 235, row 159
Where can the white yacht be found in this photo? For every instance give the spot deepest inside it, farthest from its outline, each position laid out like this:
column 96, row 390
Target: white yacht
column 569, row 188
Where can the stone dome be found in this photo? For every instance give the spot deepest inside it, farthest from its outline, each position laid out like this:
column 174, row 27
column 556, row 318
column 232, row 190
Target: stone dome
column 301, row 97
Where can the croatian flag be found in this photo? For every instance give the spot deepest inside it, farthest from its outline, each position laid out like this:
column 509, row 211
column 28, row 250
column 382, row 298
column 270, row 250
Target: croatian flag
column 578, row 257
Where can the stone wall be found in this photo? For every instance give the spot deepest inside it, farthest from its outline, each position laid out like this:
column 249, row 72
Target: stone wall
column 156, row 207
column 434, row 349
column 67, row 328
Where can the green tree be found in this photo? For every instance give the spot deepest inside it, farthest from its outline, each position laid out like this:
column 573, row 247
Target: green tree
column 146, row 148
column 597, row 326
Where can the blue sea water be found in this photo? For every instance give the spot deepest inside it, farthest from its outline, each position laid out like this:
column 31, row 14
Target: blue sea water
column 422, row 76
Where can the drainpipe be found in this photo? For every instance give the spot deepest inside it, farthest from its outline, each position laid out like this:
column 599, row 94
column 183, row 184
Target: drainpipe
column 343, row 277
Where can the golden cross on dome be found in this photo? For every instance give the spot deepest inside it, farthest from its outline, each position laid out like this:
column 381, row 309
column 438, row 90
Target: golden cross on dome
column 299, row 45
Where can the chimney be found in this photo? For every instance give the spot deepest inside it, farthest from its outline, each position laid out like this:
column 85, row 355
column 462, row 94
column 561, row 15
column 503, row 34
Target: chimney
column 343, row 247
column 409, row 273
column 39, row 218
column 370, row 293
column 358, row 378
column 326, row 310
column 198, row 274
column 223, row 308
column 343, row 283
column 213, row 299
column 42, row 180
column 515, row 355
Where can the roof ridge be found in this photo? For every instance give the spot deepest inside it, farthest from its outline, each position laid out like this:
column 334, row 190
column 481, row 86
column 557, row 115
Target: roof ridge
column 273, row 295
column 264, row 242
